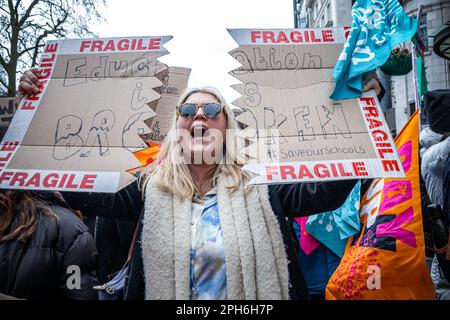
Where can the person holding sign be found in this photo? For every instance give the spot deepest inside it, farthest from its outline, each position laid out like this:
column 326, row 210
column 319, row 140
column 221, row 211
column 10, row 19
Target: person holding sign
column 205, row 233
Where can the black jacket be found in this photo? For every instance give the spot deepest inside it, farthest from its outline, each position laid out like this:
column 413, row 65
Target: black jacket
column 444, row 263
column 288, row 200
column 446, row 191
column 40, row 268
column 112, row 239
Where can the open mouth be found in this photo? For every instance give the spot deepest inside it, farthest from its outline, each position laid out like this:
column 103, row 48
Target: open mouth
column 199, row 131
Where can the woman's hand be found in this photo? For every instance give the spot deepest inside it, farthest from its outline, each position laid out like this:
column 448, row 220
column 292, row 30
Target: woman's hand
column 29, row 82
column 372, row 82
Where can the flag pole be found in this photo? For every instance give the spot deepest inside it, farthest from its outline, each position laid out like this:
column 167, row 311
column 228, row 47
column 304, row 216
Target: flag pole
column 415, row 50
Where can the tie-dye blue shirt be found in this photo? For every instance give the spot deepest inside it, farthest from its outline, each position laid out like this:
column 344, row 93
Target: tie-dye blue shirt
column 208, row 273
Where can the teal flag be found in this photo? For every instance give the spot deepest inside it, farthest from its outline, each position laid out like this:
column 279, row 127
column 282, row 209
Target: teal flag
column 378, row 26
column 333, row 228
column 422, row 83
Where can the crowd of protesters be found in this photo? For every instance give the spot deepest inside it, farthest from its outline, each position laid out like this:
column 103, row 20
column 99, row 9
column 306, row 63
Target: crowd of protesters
column 195, row 231
column 434, row 153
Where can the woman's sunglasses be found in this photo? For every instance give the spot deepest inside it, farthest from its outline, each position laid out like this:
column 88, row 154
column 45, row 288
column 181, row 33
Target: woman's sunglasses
column 189, row 110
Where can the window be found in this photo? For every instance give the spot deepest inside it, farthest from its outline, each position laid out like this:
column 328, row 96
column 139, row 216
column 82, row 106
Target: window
column 423, row 31
column 310, row 20
column 412, row 109
column 303, row 23
column 329, row 17
column 389, row 115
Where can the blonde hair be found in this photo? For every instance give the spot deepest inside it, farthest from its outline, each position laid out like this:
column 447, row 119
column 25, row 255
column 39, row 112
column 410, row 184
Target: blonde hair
column 172, row 173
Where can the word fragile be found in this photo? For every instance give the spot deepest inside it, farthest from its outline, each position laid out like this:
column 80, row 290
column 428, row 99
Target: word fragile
column 120, row 45
column 385, row 149
column 31, row 102
column 296, row 36
column 50, row 180
column 315, row 171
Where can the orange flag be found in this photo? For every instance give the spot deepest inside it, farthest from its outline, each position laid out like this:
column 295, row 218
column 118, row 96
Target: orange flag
column 146, row 156
column 386, row 260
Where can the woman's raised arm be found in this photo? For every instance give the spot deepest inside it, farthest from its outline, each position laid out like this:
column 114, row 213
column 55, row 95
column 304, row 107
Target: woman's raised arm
column 303, row 199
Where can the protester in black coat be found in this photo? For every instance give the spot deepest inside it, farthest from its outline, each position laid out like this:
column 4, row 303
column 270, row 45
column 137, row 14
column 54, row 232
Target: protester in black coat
column 46, row 251
column 260, row 259
column 285, row 200
column 245, row 219
column 112, row 239
column 446, row 193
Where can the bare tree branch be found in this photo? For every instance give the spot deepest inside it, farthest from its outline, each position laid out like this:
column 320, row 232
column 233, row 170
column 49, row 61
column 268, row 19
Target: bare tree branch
column 16, row 8
column 25, row 25
column 5, row 48
column 28, row 12
column 3, row 83
column 3, row 63
column 4, row 10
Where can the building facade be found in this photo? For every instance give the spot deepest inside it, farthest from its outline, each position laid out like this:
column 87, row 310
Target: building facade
column 324, row 13
column 399, row 102
column 337, row 13
column 435, row 13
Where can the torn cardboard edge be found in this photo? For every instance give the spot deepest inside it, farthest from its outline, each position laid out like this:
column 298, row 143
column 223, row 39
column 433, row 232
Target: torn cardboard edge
column 267, row 84
column 12, row 141
column 257, row 51
column 286, row 79
column 175, row 81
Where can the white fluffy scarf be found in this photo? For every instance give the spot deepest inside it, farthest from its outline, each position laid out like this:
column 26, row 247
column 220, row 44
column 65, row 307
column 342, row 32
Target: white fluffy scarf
column 256, row 264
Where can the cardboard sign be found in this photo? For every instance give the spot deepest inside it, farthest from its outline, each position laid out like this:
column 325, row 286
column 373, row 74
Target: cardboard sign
column 175, row 80
column 294, row 132
column 8, row 106
column 78, row 133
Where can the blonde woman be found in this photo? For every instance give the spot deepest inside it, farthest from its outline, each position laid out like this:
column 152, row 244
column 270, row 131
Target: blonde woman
column 204, row 235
